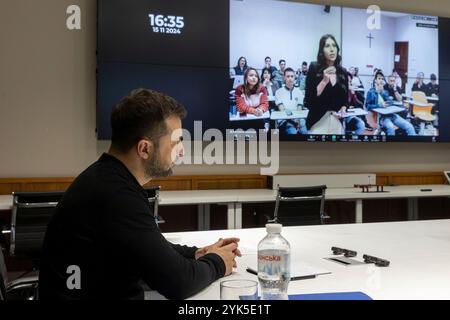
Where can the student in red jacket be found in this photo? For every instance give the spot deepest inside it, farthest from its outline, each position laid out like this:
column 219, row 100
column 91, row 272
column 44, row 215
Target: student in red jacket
column 251, row 97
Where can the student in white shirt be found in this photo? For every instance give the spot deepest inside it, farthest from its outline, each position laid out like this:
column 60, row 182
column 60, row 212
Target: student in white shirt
column 289, row 98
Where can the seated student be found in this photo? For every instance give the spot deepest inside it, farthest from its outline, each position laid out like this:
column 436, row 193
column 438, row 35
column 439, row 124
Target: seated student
column 419, row 85
column 377, row 97
column 240, row 68
column 279, row 74
column 289, row 98
column 393, row 90
column 356, row 81
column 300, row 82
column 357, row 86
column 268, row 82
column 104, row 227
column 268, row 65
column 251, row 97
column 433, row 87
column 354, row 102
column 398, row 79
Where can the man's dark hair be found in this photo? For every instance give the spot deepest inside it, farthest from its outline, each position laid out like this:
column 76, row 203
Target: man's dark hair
column 379, row 73
column 268, row 58
column 304, row 63
column 282, row 60
column 288, row 70
column 142, row 114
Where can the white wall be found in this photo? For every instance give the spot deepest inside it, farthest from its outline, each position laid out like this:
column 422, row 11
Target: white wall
column 281, row 30
column 423, row 48
column 47, row 101
column 355, row 44
column 423, row 45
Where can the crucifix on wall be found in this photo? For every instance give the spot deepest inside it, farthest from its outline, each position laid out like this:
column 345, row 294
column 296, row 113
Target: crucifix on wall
column 370, row 39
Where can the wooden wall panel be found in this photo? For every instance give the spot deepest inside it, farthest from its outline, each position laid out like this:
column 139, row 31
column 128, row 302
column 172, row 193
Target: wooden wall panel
column 383, row 180
column 414, row 178
column 209, row 182
column 172, row 184
column 229, row 182
column 7, row 186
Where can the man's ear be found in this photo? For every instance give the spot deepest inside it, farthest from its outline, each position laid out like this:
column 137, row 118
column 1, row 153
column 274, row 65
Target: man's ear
column 145, row 149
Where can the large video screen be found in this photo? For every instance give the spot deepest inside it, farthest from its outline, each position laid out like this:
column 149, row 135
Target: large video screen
column 303, row 72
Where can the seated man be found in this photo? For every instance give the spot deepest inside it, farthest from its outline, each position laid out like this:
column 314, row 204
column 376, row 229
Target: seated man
column 393, row 90
column 300, row 82
column 289, row 98
column 433, row 87
column 377, row 97
column 103, row 240
column 419, row 85
column 279, row 74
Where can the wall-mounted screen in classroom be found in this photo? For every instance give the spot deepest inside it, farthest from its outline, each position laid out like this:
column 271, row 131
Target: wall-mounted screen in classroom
column 304, row 72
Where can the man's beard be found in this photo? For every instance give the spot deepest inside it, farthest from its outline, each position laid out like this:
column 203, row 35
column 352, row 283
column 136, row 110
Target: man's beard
column 154, row 168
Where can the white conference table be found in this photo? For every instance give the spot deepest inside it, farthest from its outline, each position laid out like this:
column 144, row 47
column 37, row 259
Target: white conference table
column 419, row 252
column 235, row 198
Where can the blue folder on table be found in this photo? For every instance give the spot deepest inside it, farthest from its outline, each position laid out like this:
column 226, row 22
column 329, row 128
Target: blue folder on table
column 331, row 296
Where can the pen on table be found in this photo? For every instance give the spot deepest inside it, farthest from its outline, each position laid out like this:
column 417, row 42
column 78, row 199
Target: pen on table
column 249, row 270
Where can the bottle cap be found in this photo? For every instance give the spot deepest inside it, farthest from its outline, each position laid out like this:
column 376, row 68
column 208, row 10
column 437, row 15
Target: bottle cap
column 273, row 228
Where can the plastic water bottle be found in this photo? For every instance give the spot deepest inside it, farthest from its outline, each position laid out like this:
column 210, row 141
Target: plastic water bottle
column 274, row 264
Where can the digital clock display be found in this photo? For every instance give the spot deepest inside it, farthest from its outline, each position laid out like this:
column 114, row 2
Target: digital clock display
column 166, row 24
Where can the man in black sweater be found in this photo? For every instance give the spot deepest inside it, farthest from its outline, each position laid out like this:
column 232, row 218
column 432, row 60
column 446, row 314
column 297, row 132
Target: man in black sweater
column 103, row 241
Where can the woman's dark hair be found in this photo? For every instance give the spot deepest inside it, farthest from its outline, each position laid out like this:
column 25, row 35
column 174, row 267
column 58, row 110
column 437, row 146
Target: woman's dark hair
column 268, row 70
column 341, row 73
column 142, row 114
column 247, row 90
column 321, row 56
column 238, row 66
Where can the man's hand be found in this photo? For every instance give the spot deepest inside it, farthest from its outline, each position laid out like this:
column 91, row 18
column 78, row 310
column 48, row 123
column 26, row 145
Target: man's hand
column 227, row 249
column 220, row 243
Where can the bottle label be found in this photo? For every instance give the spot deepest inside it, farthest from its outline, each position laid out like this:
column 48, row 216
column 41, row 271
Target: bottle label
column 269, row 258
column 273, row 263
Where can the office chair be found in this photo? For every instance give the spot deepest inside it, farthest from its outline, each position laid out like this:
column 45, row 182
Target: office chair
column 23, row 288
column 31, row 214
column 422, row 110
column 153, row 199
column 300, row 206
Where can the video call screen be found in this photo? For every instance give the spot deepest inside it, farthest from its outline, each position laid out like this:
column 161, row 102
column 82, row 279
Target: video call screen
column 304, row 72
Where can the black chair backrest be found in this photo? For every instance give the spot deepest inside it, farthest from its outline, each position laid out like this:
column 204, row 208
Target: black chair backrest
column 153, row 199
column 300, row 206
column 31, row 214
column 3, row 276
